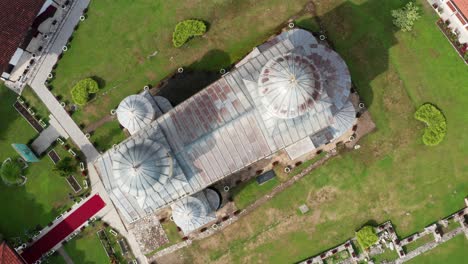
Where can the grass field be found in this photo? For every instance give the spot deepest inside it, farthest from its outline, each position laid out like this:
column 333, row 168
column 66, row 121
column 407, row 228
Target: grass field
column 248, row 192
column 393, row 176
column 86, row 248
column 452, row 251
column 45, row 194
column 117, row 53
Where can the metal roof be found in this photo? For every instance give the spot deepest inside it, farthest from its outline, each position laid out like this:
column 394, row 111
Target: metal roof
column 141, row 166
column 227, row 126
column 135, row 112
column 192, row 212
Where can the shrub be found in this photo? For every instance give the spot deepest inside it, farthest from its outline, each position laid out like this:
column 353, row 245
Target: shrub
column 65, row 167
column 187, row 29
column 11, row 172
column 81, row 91
column 435, row 121
column 366, row 237
column 405, row 17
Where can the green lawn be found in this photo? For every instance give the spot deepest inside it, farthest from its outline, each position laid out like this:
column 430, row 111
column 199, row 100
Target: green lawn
column 114, row 43
column 107, row 135
column 393, row 176
column 452, row 251
column 45, row 194
column 86, row 247
column 419, row 242
column 248, row 192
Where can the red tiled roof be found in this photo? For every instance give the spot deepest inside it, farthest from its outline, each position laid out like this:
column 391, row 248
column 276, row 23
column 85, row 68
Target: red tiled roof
column 8, row 255
column 460, row 17
column 449, row 3
column 16, row 16
column 462, row 5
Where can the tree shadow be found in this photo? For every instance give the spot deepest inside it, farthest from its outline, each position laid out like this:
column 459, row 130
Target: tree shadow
column 8, row 99
column 101, row 82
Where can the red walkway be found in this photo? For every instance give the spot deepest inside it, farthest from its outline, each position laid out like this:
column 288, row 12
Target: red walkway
column 63, row 229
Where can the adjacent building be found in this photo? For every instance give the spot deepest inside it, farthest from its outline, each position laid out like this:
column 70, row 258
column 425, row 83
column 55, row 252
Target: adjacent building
column 455, row 13
column 289, row 94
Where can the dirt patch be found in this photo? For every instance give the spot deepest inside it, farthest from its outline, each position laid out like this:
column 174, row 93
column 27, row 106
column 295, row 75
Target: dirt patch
column 323, row 195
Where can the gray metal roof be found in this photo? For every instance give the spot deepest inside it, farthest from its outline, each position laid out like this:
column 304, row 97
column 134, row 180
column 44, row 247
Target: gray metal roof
column 192, row 212
column 141, row 166
column 135, row 112
column 227, row 126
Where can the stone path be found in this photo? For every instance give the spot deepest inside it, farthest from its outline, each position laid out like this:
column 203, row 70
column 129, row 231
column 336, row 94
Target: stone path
column 65, row 256
column 37, row 80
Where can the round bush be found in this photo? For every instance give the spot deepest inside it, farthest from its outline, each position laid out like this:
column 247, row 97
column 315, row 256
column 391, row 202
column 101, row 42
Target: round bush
column 187, row 29
column 366, row 237
column 11, row 173
column 81, row 91
column 435, row 121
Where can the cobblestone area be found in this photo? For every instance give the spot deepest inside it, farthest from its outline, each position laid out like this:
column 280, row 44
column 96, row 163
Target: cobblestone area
column 149, row 233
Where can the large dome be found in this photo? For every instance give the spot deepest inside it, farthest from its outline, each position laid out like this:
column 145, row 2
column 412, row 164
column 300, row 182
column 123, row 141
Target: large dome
column 190, row 213
column 141, row 166
column 135, row 112
column 289, row 85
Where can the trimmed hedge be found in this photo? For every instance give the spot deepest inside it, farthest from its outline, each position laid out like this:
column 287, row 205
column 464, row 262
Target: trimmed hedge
column 81, row 91
column 366, row 237
column 435, row 121
column 187, row 29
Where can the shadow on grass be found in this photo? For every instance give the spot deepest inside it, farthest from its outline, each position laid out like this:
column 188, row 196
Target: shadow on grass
column 195, row 77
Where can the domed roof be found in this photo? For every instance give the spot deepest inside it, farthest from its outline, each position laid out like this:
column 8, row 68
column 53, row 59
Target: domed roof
column 135, row 112
column 190, row 213
column 289, row 85
column 141, row 166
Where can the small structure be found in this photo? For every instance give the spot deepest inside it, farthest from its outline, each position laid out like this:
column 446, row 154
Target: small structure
column 303, row 208
column 455, row 13
column 265, row 177
column 8, row 255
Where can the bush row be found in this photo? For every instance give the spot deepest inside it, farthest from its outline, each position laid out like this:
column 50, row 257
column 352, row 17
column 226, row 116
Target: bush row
column 435, row 121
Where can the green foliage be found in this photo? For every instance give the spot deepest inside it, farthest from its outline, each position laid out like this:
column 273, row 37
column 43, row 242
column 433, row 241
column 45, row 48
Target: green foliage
column 435, row 121
column 187, row 29
column 81, row 91
column 65, row 167
column 11, row 172
column 405, row 17
column 366, row 237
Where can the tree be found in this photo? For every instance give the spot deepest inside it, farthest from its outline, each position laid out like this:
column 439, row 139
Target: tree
column 366, row 237
column 435, row 121
column 65, row 167
column 405, row 17
column 81, row 91
column 11, row 172
column 187, row 29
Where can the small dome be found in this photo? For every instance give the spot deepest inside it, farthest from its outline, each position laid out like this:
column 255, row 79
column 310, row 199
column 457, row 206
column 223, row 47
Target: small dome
column 135, row 112
column 289, row 85
column 141, row 166
column 190, row 213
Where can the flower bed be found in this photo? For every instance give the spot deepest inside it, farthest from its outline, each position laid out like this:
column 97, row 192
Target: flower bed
column 462, row 49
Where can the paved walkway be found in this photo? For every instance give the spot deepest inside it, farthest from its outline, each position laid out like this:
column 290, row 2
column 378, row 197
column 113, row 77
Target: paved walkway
column 65, row 256
column 37, row 81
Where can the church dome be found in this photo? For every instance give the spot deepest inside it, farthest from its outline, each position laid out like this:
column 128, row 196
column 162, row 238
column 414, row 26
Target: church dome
column 141, row 166
column 135, row 112
column 289, row 85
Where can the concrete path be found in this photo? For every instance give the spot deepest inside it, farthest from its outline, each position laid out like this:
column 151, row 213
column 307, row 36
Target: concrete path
column 65, row 256
column 37, row 81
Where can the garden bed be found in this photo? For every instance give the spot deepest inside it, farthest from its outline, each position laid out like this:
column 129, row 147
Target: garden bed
column 31, row 120
column 462, row 49
column 452, row 225
column 419, row 242
column 73, row 183
column 54, row 156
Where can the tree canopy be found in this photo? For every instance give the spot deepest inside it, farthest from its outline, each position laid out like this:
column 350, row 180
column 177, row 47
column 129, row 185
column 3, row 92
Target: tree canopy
column 435, row 121
column 81, row 91
column 366, row 237
column 187, row 29
column 405, row 17
column 65, row 167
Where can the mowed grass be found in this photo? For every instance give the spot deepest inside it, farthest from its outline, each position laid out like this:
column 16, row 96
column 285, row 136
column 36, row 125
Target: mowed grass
column 393, row 176
column 86, row 248
column 452, row 251
column 45, row 194
column 114, row 43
